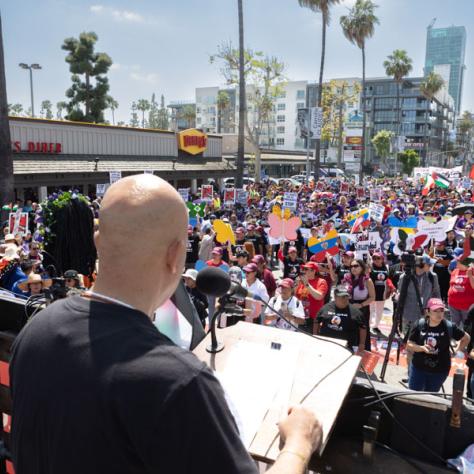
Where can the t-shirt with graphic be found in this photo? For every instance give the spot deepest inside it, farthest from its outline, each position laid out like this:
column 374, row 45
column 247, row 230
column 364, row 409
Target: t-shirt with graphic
column 437, row 337
column 192, row 249
column 379, row 276
column 292, row 304
column 341, row 272
column 460, row 293
column 292, row 267
column 340, row 323
column 310, row 304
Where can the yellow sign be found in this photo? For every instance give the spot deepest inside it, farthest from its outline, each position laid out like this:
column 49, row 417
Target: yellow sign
column 192, row 141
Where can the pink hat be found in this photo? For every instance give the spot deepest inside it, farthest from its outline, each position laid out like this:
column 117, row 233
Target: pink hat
column 377, row 254
column 435, row 303
column 286, row 283
column 251, row 267
column 292, row 249
column 258, row 259
column 312, row 266
column 240, row 229
column 216, row 251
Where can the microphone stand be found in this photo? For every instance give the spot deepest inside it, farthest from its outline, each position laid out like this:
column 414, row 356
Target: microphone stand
column 215, row 345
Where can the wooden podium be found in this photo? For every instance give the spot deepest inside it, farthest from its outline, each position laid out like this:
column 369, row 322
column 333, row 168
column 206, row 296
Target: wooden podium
column 311, row 371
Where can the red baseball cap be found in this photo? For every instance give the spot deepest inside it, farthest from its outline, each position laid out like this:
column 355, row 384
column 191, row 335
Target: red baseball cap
column 311, row 265
column 435, row 303
column 217, row 251
column 258, row 259
column 286, row 283
column 251, row 267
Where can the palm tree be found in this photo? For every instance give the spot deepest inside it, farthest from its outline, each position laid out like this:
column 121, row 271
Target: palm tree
column 143, row 105
column 112, row 104
column 188, row 113
column 6, row 169
column 242, row 101
column 429, row 87
column 398, row 65
column 323, row 7
column 60, row 106
column 223, row 102
column 358, row 26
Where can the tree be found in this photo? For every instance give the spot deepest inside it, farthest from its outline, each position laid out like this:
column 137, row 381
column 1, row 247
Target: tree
column 409, row 160
column 464, row 132
column 188, row 113
column 6, row 169
column 15, row 110
column 134, row 122
column 359, row 26
column 87, row 101
column 223, row 102
column 46, row 110
column 323, row 7
column 382, row 142
column 112, row 104
column 153, row 112
column 163, row 115
column 143, row 105
column 336, row 96
column 398, row 65
column 429, row 87
column 60, row 106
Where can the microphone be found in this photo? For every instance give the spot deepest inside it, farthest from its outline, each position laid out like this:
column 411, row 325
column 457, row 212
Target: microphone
column 213, row 281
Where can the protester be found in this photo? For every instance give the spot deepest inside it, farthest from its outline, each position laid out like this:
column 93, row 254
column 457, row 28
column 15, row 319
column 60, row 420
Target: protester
column 265, row 275
column 34, row 285
column 429, row 341
column 443, row 257
column 342, row 320
column 379, row 276
column 252, row 283
column 292, row 264
column 73, row 280
column 198, row 299
column 286, row 304
column 192, row 249
column 206, row 245
column 461, row 291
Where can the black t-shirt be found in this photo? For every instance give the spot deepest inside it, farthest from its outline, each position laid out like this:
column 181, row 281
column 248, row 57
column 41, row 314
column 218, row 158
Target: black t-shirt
column 340, row 323
column 443, row 254
column 192, row 250
column 98, row 389
column 437, row 338
column 341, row 272
column 292, row 269
column 379, row 276
column 395, row 273
column 256, row 241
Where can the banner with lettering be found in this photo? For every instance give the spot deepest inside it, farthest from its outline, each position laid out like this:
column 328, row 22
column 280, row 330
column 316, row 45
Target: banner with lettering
column 207, row 192
column 114, row 176
column 229, row 197
column 184, row 192
column 290, row 201
column 18, row 223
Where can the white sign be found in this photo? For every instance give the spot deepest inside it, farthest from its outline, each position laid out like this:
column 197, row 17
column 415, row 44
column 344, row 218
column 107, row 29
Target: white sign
column 316, row 122
column 184, row 192
column 101, row 188
column 447, row 172
column 290, row 201
column 375, row 241
column 375, row 194
column 376, row 212
column 436, row 230
column 115, row 176
column 148, row 172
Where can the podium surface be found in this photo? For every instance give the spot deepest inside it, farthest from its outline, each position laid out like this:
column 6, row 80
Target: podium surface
column 265, row 370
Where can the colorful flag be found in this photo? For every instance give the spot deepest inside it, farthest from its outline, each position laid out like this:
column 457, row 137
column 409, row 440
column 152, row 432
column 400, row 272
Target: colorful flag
column 471, row 174
column 440, row 180
column 364, row 213
column 326, row 244
column 429, row 185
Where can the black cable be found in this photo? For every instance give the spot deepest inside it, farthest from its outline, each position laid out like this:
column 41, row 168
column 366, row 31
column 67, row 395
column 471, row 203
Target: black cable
column 411, row 393
column 401, row 456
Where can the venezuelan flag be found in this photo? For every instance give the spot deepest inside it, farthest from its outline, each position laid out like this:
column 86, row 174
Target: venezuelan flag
column 326, row 244
column 364, row 213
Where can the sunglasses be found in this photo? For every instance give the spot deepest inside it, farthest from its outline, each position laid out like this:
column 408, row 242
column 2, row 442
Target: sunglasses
column 355, row 266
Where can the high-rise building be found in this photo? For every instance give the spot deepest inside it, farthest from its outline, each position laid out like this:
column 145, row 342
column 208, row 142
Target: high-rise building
column 445, row 52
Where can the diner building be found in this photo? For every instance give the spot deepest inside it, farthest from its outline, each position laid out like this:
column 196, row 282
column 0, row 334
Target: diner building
column 50, row 155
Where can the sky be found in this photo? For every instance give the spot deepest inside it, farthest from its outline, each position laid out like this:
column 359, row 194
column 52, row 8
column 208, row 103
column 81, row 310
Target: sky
column 163, row 47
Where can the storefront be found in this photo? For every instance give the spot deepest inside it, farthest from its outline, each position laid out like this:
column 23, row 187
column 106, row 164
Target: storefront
column 50, row 155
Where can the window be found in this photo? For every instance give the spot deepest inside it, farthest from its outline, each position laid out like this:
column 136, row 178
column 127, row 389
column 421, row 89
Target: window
column 281, row 106
column 280, row 141
column 299, row 143
column 300, row 105
column 198, row 120
column 300, row 94
column 280, row 129
column 280, row 118
column 282, row 95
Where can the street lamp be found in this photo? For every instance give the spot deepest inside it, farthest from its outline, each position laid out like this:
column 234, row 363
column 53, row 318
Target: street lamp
column 31, row 67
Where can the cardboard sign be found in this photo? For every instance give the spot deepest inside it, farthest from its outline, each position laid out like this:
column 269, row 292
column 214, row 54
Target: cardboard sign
column 224, row 232
column 436, row 230
column 290, row 201
column 375, row 194
column 101, row 188
column 360, row 192
column 376, row 212
column 242, row 196
column 284, row 229
column 229, row 197
column 184, row 192
column 375, row 241
column 114, row 176
column 18, row 223
column 344, row 187
column 207, row 192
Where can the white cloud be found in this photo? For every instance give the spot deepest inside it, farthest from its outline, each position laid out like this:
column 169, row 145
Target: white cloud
column 97, row 8
column 115, row 67
column 118, row 15
column 149, row 78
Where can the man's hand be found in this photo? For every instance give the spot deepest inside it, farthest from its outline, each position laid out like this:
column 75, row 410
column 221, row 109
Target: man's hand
column 301, row 431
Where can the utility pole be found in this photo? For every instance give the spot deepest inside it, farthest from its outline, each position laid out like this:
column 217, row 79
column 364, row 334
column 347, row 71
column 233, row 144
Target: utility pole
column 6, row 158
column 242, row 101
column 30, row 68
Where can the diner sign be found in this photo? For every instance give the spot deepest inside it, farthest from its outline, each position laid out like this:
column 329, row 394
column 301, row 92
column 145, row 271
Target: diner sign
column 192, row 141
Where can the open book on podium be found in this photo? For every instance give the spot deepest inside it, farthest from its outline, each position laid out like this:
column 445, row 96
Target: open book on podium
column 264, row 370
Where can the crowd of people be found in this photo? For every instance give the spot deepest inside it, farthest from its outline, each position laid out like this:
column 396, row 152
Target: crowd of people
column 342, row 293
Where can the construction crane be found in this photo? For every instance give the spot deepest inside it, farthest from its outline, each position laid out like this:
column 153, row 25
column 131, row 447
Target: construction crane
column 433, row 21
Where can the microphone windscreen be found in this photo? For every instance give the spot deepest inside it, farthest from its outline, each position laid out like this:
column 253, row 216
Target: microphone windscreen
column 213, row 281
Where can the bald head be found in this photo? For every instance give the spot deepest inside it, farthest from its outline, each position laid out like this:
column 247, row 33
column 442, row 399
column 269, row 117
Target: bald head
column 142, row 235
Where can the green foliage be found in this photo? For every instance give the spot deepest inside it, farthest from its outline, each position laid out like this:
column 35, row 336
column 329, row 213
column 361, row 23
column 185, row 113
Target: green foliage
column 431, row 85
column 319, row 6
column 398, row 65
column 134, row 122
column 46, row 110
column 409, row 159
column 359, row 25
column 88, row 95
column 188, row 113
column 112, row 104
column 15, row 110
column 143, row 105
column 60, row 106
column 382, row 143
column 158, row 117
column 163, row 115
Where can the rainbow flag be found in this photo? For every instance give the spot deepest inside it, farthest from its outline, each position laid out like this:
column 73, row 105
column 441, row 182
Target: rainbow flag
column 326, row 244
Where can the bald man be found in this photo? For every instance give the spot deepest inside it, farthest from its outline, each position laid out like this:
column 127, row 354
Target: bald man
column 98, row 389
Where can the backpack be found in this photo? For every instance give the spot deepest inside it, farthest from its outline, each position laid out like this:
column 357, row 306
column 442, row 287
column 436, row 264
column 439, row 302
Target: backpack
column 423, row 325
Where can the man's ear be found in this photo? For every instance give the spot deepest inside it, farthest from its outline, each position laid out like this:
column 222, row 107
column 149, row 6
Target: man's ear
column 175, row 256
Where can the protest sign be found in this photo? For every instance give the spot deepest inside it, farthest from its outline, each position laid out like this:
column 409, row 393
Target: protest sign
column 376, row 212
column 284, row 229
column 18, row 222
column 229, row 197
column 148, row 172
column 114, row 176
column 326, row 244
column 207, row 192
column 436, row 230
column 375, row 194
column 290, row 201
column 184, row 192
column 344, row 187
column 360, row 192
column 375, row 241
column 306, row 233
column 101, row 188
column 242, row 196
column 224, row 232
column 362, row 244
